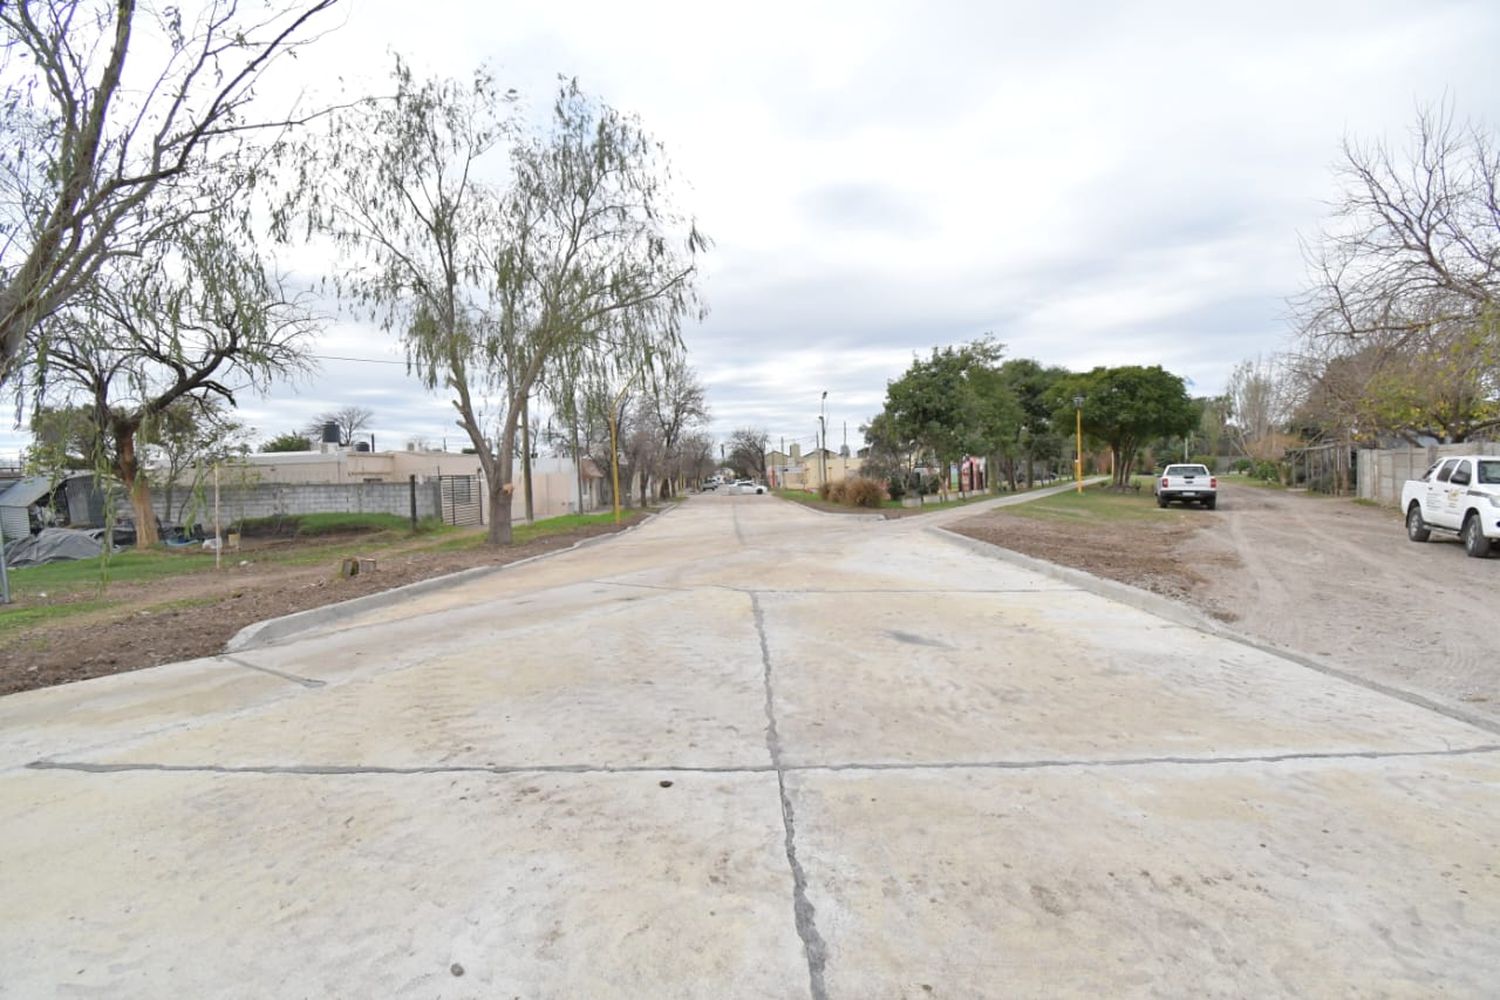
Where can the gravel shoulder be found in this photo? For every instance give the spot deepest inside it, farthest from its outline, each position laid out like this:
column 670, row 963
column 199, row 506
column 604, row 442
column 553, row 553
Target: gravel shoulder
column 1316, row 575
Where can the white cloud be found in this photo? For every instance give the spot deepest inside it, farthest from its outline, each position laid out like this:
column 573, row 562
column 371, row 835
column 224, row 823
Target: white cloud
column 1096, row 183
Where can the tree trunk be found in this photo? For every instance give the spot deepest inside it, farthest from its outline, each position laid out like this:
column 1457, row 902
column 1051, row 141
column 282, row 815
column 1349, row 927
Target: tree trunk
column 500, row 504
column 501, row 485
column 136, row 485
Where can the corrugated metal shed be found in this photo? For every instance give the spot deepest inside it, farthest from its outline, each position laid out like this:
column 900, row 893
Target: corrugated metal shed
column 14, row 502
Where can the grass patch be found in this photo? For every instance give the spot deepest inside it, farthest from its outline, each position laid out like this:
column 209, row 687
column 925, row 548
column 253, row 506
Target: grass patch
column 86, row 574
column 13, row 619
column 1094, row 504
column 332, row 523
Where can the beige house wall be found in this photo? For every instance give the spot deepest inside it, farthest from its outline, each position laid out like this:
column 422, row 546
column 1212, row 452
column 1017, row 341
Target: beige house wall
column 805, row 472
column 554, row 486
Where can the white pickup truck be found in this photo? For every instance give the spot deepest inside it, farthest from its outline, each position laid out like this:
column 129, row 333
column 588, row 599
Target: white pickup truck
column 1186, row 484
column 1459, row 494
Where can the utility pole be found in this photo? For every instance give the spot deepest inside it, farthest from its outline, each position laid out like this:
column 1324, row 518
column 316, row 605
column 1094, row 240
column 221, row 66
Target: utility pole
column 823, row 432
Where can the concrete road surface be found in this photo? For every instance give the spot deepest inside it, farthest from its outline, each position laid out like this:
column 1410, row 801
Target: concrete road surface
column 747, row 750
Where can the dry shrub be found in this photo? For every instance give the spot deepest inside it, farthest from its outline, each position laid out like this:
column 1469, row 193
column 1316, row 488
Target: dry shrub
column 863, row 492
column 823, row 490
column 836, row 492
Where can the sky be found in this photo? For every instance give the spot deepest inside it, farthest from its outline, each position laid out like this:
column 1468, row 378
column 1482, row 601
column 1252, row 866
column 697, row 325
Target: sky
column 1093, row 183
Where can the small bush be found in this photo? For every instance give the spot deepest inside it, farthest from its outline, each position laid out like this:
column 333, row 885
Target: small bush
column 862, row 492
column 836, row 492
column 896, row 488
column 1243, row 465
column 1268, row 472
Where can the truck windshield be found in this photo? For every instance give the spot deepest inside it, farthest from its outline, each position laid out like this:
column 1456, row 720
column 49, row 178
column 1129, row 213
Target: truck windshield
column 1489, row 471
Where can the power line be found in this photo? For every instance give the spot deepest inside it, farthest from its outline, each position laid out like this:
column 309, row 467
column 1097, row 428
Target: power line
column 367, row 361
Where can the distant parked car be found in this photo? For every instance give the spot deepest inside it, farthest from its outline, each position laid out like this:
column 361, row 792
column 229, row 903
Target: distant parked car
column 1186, row 484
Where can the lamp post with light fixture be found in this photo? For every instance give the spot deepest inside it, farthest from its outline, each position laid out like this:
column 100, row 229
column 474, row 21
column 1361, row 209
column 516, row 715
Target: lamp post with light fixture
column 1078, row 443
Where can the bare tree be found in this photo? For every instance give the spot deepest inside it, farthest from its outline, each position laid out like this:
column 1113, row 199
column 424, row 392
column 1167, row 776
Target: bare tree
column 677, row 402
column 101, row 146
column 1262, row 399
column 747, row 451
column 1401, row 319
column 1416, row 237
column 350, row 420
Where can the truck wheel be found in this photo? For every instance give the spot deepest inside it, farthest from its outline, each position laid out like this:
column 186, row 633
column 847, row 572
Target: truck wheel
column 1416, row 528
column 1475, row 544
column 1211, row 503
column 1161, row 501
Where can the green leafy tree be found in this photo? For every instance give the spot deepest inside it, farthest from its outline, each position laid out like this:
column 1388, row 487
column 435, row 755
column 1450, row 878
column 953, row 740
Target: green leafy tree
column 1126, row 407
column 62, row 440
column 205, row 322
column 496, row 292
column 290, row 441
column 888, row 455
column 950, row 404
column 185, row 441
column 1037, row 439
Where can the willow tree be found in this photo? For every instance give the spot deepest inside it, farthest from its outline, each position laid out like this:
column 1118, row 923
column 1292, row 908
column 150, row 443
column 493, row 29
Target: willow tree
column 113, row 109
column 574, row 250
column 175, row 333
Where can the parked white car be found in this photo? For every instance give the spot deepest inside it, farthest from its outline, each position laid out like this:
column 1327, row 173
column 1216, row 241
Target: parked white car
column 1186, row 484
column 1461, row 495
column 746, row 486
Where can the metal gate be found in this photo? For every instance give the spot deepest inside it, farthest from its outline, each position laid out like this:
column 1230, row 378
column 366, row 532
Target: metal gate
column 461, row 499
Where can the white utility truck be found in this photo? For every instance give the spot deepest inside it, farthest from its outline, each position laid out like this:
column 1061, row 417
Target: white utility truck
column 1186, row 484
column 1461, row 495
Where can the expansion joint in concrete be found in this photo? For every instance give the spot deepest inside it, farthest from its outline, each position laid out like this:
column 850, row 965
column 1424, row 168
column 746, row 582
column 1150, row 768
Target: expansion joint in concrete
column 306, row 682
column 803, row 912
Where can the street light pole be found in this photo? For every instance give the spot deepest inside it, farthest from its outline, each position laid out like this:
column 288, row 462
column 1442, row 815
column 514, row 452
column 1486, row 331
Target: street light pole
column 1078, row 444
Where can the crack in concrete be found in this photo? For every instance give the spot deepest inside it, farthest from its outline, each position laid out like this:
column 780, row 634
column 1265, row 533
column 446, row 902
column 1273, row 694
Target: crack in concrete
column 1060, row 762
column 342, row 769
column 803, row 911
column 739, row 532
column 306, row 682
column 777, row 766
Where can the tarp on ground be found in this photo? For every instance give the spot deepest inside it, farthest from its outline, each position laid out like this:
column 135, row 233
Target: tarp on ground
column 52, row 545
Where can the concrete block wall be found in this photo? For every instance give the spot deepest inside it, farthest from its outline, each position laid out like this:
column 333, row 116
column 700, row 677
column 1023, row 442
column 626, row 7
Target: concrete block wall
column 272, row 499
column 1383, row 472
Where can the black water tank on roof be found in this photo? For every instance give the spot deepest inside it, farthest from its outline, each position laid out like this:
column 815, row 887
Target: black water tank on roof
column 331, row 433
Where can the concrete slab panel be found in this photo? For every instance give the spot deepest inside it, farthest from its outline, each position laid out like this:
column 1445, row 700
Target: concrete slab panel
column 1299, row 879
column 76, row 717
column 625, row 685
column 1063, row 675
column 379, row 885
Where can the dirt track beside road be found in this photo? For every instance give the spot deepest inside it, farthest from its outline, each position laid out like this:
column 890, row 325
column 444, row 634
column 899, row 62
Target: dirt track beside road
column 1316, row 575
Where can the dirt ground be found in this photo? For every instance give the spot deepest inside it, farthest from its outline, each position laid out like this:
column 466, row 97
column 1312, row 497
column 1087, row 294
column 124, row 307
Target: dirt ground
column 129, row 635
column 1316, row 575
